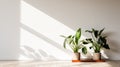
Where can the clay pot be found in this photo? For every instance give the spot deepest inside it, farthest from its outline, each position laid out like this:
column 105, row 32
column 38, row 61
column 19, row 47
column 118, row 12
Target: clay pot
column 96, row 56
column 76, row 56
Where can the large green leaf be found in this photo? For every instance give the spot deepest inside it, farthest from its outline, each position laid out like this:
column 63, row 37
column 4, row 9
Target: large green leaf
column 77, row 35
column 84, row 50
column 95, row 32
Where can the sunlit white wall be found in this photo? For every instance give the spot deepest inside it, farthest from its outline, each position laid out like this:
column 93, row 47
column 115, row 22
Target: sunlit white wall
column 86, row 14
column 39, row 31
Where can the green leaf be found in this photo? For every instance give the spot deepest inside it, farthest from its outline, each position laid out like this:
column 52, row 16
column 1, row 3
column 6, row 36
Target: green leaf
column 89, row 40
column 84, row 50
column 106, row 46
column 84, row 42
column 75, row 49
column 89, row 31
column 100, row 32
column 96, row 47
column 104, row 40
column 70, row 41
column 64, row 43
column 73, row 42
column 77, row 35
column 69, row 36
column 95, row 32
column 66, row 40
column 100, row 41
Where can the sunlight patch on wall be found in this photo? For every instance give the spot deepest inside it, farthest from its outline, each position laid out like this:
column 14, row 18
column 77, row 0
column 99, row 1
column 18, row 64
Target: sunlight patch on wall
column 43, row 23
column 35, row 48
column 40, row 23
column 40, row 35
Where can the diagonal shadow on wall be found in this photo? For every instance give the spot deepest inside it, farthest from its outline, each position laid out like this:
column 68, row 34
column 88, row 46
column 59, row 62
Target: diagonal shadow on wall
column 53, row 43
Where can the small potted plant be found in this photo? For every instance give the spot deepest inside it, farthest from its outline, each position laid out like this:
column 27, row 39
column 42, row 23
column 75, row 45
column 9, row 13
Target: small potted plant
column 75, row 44
column 98, row 42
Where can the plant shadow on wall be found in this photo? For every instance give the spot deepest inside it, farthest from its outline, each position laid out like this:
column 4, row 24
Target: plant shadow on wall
column 40, row 54
column 114, row 46
column 33, row 54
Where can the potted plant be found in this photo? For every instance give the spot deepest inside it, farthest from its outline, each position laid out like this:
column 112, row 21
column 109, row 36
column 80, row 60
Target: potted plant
column 98, row 41
column 75, row 44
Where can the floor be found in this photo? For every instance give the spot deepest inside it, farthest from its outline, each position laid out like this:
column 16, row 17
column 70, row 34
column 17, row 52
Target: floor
column 58, row 64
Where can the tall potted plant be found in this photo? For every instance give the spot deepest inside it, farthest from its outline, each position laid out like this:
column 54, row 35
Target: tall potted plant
column 98, row 41
column 75, row 44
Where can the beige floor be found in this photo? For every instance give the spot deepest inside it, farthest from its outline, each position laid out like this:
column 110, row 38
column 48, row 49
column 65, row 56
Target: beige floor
column 58, row 64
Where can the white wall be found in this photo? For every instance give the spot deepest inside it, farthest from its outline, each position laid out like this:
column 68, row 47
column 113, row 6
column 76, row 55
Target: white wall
column 9, row 29
column 86, row 14
column 36, row 31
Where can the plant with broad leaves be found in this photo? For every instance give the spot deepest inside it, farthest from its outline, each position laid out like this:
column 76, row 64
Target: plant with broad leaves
column 74, row 42
column 98, row 40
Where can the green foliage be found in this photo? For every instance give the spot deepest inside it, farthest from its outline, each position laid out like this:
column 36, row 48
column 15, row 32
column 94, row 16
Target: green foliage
column 74, row 42
column 98, row 40
column 84, row 50
column 77, row 35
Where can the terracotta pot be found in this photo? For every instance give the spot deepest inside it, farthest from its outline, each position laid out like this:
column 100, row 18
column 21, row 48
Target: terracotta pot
column 76, row 56
column 96, row 56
